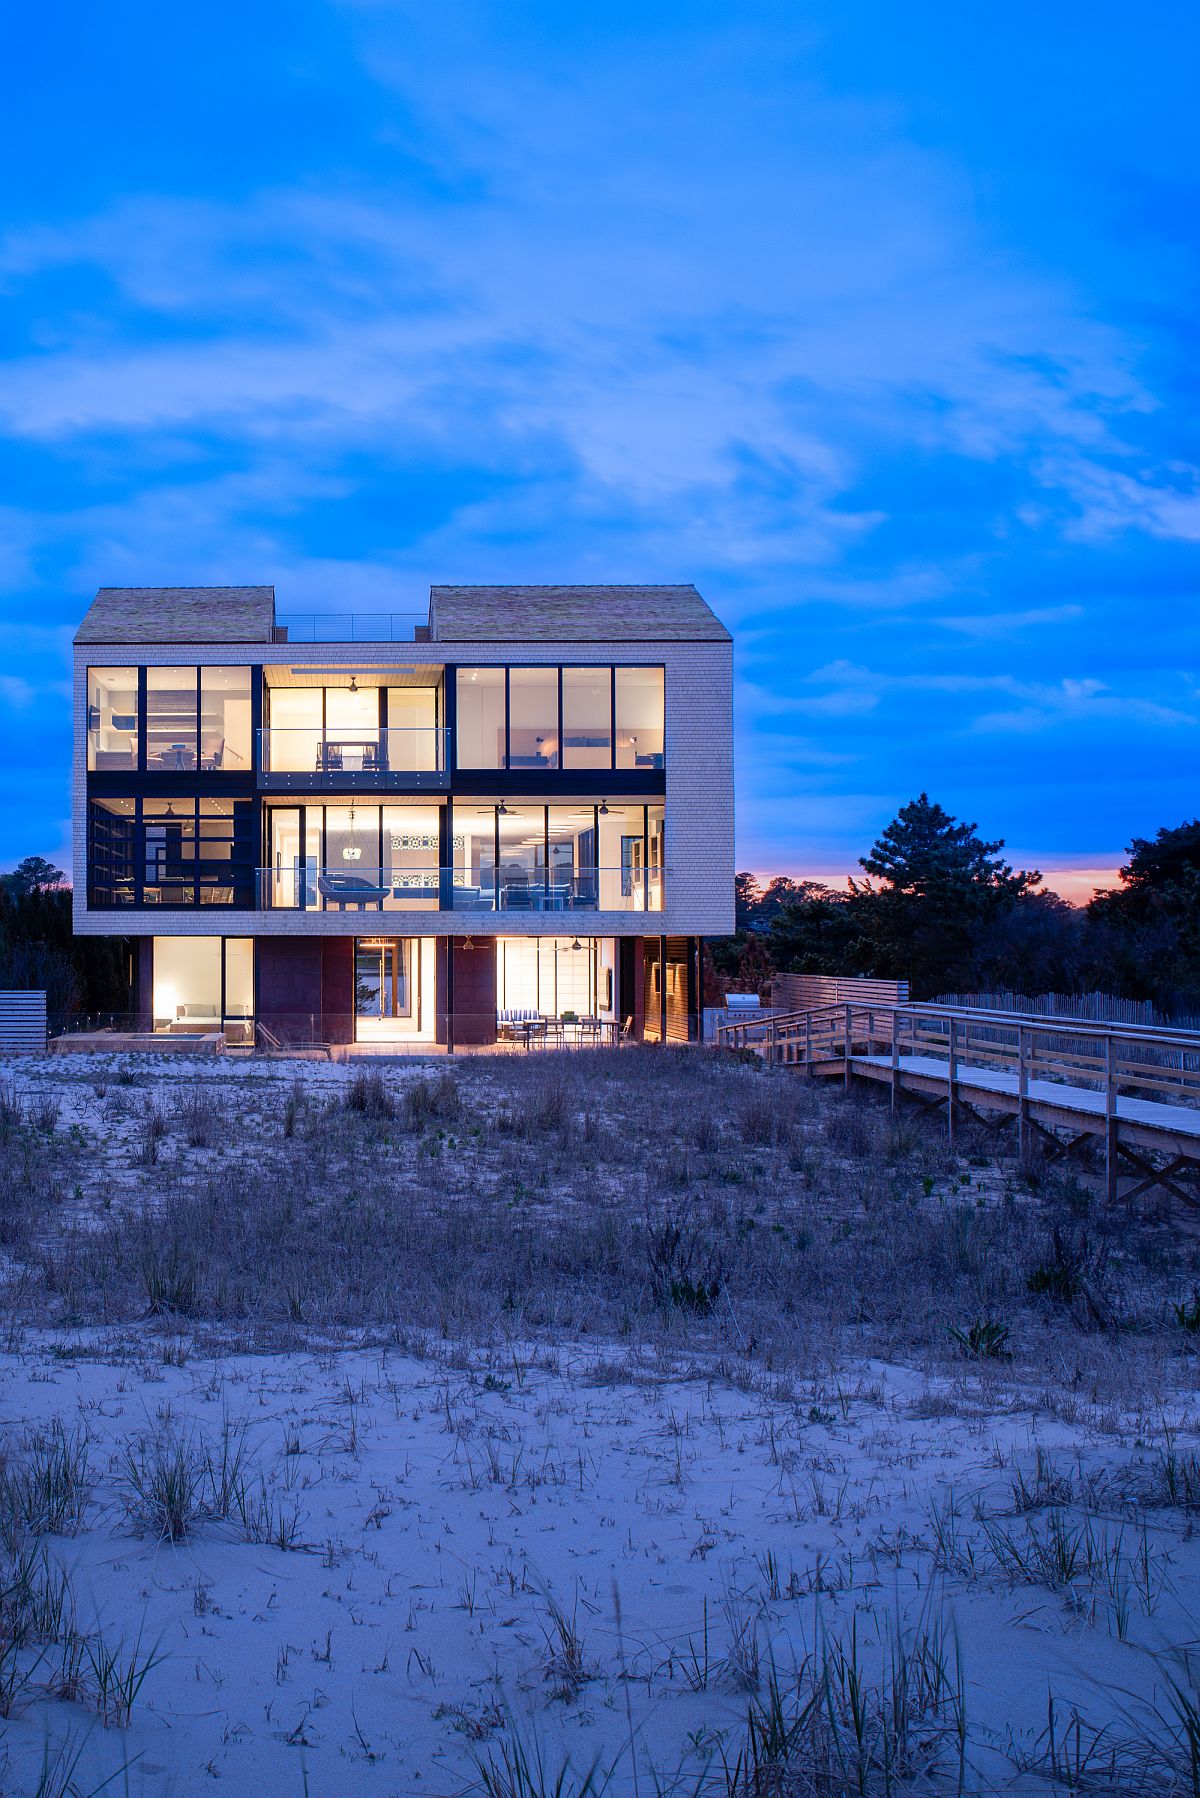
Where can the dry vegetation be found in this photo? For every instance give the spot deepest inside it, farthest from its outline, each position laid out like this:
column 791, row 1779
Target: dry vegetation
column 690, row 1213
column 645, row 1195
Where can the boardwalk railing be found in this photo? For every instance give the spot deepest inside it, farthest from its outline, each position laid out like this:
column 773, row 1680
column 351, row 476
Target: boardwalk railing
column 1133, row 1084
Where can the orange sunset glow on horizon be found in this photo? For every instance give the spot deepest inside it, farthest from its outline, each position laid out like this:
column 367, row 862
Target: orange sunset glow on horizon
column 1076, row 885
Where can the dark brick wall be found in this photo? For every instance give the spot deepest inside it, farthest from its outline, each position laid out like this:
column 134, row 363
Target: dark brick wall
column 337, row 989
column 289, row 986
column 474, row 991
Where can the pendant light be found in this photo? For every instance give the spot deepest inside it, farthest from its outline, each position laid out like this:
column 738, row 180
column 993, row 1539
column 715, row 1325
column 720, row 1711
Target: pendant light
column 351, row 852
column 354, row 683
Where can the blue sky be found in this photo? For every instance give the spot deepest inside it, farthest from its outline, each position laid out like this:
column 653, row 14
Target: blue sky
column 876, row 321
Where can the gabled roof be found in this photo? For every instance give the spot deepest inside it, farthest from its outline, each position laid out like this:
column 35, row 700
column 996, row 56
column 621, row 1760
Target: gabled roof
column 179, row 615
column 572, row 614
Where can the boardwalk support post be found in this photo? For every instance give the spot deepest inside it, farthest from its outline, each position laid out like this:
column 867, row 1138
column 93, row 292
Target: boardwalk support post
column 1024, row 1145
column 846, row 1047
column 1110, row 1119
column 808, row 1049
column 952, row 1084
column 895, row 1062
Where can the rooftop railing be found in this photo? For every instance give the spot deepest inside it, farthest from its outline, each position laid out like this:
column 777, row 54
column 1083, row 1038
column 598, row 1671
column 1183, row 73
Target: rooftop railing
column 352, row 627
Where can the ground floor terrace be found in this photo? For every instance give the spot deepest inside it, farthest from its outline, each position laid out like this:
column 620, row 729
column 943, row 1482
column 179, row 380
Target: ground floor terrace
column 412, row 992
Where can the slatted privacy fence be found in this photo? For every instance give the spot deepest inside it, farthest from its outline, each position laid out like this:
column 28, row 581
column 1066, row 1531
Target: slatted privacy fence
column 1096, row 1008
column 800, row 992
column 22, row 1022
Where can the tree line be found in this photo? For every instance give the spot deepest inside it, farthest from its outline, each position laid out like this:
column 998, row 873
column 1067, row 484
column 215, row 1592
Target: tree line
column 39, row 949
column 939, row 906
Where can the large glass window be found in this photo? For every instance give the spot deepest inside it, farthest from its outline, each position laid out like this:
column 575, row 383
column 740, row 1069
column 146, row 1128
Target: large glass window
column 553, row 975
column 171, row 714
column 112, row 851
column 294, row 743
column 639, row 702
column 533, row 717
column 204, row 984
column 623, row 855
column 481, row 722
column 225, row 719
column 285, row 879
column 225, row 856
column 411, row 845
column 239, row 989
column 112, row 717
column 522, row 857
column 356, row 857
column 187, row 984
column 571, row 830
column 558, row 858
column 474, row 877
column 353, row 874
column 171, row 852
column 656, row 855
column 587, row 718
column 168, row 852
column 413, row 738
column 352, row 715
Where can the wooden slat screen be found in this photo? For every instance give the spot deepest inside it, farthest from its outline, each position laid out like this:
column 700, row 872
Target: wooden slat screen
column 22, row 1021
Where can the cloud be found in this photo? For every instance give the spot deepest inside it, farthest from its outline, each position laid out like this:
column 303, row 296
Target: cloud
column 597, row 296
column 1008, row 624
column 1109, row 501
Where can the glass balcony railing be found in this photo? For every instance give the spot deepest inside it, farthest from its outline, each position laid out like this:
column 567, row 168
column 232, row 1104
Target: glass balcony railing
column 351, row 627
column 402, row 757
column 355, row 886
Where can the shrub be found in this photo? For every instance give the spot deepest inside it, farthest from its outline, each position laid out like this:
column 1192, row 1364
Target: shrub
column 427, row 1101
column 160, row 1484
column 984, row 1341
column 367, row 1094
column 200, row 1118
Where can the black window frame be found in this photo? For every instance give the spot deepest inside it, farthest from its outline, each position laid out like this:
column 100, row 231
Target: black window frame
column 560, row 770
column 207, row 873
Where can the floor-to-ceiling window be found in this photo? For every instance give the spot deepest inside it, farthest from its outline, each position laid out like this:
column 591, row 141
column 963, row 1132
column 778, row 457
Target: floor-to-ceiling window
column 112, row 718
column 639, row 712
column 481, row 718
column 553, row 975
column 587, row 717
column 577, row 856
column 203, row 984
column 533, row 718
column 353, row 855
column 594, row 717
column 225, row 712
column 171, row 852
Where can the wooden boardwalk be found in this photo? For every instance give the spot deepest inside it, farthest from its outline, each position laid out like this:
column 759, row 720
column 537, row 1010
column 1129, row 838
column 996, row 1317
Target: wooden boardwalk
column 1067, row 1083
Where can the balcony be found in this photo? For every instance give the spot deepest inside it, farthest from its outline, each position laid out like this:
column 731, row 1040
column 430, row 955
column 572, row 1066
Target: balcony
column 352, row 627
column 402, row 758
column 359, row 888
